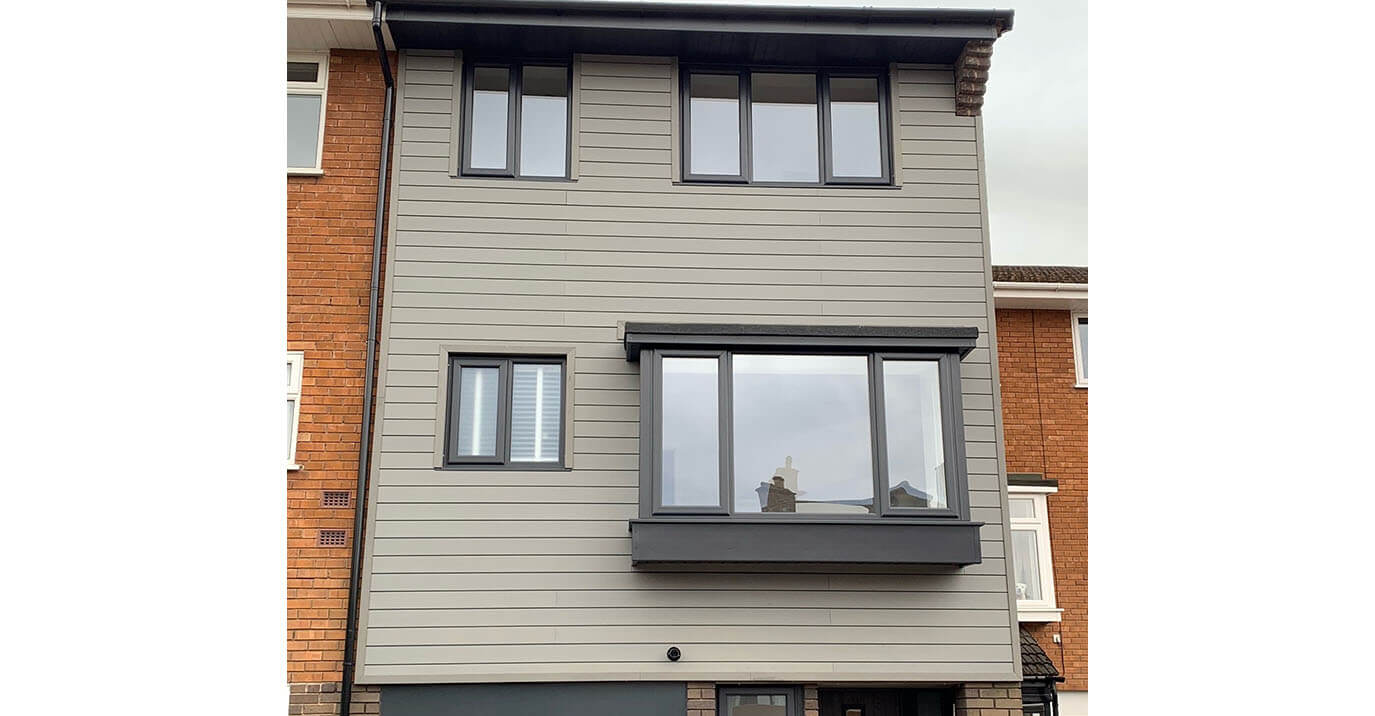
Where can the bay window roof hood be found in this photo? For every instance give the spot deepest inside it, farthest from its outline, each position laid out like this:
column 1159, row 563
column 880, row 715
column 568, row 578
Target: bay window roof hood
column 696, row 32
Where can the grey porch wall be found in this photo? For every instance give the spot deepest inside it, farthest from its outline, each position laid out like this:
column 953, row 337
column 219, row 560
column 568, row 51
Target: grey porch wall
column 525, row 576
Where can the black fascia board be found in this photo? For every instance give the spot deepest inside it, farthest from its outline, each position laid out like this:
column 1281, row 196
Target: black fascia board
column 670, row 541
column 638, row 335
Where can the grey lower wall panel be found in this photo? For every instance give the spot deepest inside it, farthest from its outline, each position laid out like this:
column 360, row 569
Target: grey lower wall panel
column 568, row 699
column 509, row 576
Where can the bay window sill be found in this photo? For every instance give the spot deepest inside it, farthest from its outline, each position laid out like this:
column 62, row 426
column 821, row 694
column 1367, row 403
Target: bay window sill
column 720, row 540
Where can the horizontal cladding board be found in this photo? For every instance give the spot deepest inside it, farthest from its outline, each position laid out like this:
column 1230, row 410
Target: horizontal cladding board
column 975, row 312
column 925, row 198
column 920, row 212
column 714, row 290
column 948, row 598
column 555, row 653
column 667, row 616
column 639, row 581
column 738, row 634
column 660, row 670
column 694, row 275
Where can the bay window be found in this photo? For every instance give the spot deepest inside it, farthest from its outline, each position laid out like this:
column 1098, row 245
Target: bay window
column 784, row 127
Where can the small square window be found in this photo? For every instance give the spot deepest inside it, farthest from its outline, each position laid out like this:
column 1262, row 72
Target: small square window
column 516, row 120
column 505, row 411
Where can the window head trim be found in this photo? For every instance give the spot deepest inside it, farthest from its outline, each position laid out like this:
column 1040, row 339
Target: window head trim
column 515, row 71
column 823, row 75
column 320, row 88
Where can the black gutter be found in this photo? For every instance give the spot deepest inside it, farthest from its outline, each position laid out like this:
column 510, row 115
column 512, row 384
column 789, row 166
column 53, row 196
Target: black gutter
column 365, row 434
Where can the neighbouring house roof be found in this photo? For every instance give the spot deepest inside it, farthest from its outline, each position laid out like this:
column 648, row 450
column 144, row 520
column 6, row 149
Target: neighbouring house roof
column 1041, row 274
column 1035, row 663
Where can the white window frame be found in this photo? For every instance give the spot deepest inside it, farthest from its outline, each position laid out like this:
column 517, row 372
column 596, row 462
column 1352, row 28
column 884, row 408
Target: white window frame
column 1080, row 380
column 319, row 87
column 294, row 360
column 1043, row 609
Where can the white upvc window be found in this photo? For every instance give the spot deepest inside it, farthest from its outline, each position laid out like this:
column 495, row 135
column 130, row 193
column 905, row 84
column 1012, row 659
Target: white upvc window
column 294, row 360
column 1079, row 323
column 1031, row 560
column 307, row 80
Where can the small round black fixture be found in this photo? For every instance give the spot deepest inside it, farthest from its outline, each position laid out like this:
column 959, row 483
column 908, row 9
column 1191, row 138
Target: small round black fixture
column 674, row 653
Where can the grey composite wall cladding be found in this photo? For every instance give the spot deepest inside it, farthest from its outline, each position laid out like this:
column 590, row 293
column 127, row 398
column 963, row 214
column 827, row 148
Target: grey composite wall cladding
column 566, row 699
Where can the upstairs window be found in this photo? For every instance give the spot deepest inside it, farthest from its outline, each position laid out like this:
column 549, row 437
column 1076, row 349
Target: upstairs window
column 1081, row 350
column 752, row 433
column 516, row 120
column 786, row 127
column 505, row 412
column 306, row 83
column 1032, row 570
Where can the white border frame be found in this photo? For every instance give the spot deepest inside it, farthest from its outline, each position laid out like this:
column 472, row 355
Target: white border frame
column 1044, row 609
column 319, row 87
column 296, row 360
column 1080, row 380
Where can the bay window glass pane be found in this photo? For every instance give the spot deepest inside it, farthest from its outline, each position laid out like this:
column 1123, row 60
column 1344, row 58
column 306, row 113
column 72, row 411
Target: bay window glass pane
column 302, row 71
column 916, row 450
column 691, row 453
column 757, row 705
column 544, row 121
column 487, row 138
column 1023, row 508
column 302, row 129
column 801, row 434
column 714, row 124
column 290, row 427
column 783, row 127
column 536, row 393
column 855, row 129
column 1026, row 565
column 477, row 412
column 1082, row 326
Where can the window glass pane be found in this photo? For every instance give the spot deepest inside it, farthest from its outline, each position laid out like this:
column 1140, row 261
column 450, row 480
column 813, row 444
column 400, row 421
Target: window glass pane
column 477, row 412
column 916, row 451
column 302, row 129
column 544, row 122
column 1025, row 565
column 801, row 431
column 487, row 139
column 536, row 392
column 1023, row 508
column 691, row 471
column 757, row 705
column 290, row 375
column 783, row 141
column 290, row 427
column 1083, row 329
column 714, row 124
column 855, row 128
column 302, row 71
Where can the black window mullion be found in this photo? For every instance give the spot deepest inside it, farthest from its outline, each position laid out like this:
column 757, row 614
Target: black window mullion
column 746, row 122
column 879, row 430
column 505, row 388
column 727, row 438
column 513, row 79
column 823, row 127
column 451, row 429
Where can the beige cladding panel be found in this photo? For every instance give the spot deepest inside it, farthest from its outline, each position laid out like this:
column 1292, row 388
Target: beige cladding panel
column 525, row 576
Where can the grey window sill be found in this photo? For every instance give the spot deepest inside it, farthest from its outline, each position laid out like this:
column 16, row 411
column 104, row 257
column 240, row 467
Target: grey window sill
column 695, row 540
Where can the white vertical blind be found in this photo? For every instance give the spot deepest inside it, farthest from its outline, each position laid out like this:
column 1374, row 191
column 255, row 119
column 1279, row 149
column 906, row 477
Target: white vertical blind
column 536, row 394
column 477, row 412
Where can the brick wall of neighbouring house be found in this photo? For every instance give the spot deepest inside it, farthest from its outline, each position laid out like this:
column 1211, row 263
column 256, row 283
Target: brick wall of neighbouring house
column 329, row 263
column 1045, row 425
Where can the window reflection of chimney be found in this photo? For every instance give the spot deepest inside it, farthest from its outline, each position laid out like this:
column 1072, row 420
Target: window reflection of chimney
column 774, row 495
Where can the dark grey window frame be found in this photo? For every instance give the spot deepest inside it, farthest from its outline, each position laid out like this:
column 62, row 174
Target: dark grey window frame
column 823, row 89
column 515, row 72
column 794, row 694
column 952, row 433
column 505, row 389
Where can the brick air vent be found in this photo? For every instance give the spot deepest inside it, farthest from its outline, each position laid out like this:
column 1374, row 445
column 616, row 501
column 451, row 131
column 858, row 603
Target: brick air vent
column 334, row 498
column 331, row 538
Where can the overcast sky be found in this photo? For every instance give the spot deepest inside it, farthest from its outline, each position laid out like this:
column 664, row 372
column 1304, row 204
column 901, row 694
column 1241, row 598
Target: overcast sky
column 1035, row 127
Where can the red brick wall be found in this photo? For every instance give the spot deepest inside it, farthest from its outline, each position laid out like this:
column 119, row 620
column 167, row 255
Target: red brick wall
column 329, row 264
column 1045, row 427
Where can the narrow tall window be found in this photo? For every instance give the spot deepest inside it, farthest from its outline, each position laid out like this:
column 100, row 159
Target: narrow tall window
column 1081, row 349
column 916, row 446
column 786, row 127
column 293, row 405
column 505, row 411
column 690, row 448
column 1032, row 572
column 306, row 83
column 516, row 120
